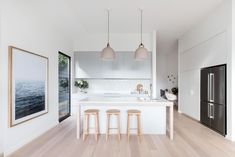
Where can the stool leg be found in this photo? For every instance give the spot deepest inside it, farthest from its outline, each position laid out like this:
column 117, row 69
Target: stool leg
column 118, row 123
column 139, row 127
column 85, row 126
column 128, row 127
column 98, row 119
column 88, row 124
column 96, row 127
column 107, row 127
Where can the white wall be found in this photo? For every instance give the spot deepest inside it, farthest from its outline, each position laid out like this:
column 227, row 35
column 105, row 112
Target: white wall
column 24, row 26
column 172, row 68
column 232, row 60
column 1, row 104
column 161, row 72
column 167, row 64
column 206, row 44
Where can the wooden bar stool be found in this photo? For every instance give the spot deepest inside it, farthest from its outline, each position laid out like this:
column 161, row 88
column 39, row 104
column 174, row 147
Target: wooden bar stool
column 115, row 113
column 137, row 114
column 87, row 114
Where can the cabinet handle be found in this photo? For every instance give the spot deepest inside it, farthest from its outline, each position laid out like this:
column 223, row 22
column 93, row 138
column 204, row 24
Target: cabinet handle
column 208, row 110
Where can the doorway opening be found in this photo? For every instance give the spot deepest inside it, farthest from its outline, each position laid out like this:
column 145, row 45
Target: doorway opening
column 64, row 64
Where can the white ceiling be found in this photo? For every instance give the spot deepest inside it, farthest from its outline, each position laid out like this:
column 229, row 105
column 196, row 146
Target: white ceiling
column 170, row 17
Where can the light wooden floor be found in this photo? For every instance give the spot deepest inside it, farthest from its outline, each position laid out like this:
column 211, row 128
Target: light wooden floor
column 191, row 140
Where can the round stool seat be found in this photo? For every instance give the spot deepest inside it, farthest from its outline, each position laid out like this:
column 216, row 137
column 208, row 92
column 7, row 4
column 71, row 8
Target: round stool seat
column 91, row 111
column 113, row 111
column 133, row 111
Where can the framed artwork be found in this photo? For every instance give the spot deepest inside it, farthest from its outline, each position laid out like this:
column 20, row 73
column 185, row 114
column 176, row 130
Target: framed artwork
column 28, row 85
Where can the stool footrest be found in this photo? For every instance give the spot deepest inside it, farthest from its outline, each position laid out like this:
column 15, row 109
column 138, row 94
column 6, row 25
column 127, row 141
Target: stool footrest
column 112, row 128
column 92, row 128
column 132, row 128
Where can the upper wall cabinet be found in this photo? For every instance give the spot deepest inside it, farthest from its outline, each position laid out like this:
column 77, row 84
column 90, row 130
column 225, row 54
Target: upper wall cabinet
column 209, row 53
column 90, row 65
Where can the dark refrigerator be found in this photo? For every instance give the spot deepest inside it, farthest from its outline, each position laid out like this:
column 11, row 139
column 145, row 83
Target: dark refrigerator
column 213, row 98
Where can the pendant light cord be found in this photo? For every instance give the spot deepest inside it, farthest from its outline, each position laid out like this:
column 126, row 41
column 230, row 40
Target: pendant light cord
column 108, row 26
column 141, row 25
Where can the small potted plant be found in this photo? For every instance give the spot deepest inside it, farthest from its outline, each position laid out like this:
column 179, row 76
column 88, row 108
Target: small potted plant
column 174, row 90
column 82, row 85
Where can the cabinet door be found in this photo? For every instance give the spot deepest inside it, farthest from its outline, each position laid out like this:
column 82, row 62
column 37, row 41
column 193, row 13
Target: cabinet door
column 190, row 93
column 218, row 85
column 218, row 118
column 136, row 69
column 88, row 65
column 205, row 113
column 204, row 84
column 112, row 69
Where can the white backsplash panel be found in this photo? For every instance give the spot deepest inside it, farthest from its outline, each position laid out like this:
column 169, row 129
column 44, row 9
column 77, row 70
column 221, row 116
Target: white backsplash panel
column 105, row 86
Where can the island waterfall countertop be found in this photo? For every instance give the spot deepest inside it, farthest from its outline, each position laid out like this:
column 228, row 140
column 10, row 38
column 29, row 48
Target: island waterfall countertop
column 150, row 108
column 124, row 101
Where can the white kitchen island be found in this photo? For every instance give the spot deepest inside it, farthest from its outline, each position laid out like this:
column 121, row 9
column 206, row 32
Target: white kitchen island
column 156, row 115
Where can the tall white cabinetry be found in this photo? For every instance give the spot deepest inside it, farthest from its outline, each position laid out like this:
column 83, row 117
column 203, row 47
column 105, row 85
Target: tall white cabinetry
column 210, row 52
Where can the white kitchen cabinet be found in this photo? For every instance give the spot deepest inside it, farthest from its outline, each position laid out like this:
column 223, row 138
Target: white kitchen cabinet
column 190, row 93
column 89, row 65
column 208, row 53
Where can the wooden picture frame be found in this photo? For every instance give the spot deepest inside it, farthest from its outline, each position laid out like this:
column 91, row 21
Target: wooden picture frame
column 27, row 85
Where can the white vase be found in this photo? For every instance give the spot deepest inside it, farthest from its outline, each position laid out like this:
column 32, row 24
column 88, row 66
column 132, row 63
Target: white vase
column 83, row 90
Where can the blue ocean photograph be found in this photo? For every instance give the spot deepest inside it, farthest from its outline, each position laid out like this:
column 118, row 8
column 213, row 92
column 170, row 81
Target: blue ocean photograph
column 29, row 98
column 29, row 85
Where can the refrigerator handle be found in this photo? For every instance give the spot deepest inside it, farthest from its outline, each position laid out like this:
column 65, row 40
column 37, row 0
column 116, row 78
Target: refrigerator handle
column 208, row 110
column 211, row 87
column 208, row 87
column 212, row 111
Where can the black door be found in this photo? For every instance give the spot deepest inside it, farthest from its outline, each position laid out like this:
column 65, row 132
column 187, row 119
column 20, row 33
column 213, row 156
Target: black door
column 218, row 84
column 204, row 84
column 218, row 118
column 64, row 86
column 205, row 113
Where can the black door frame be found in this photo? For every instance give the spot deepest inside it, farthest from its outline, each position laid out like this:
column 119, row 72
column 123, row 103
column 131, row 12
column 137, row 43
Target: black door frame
column 69, row 114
